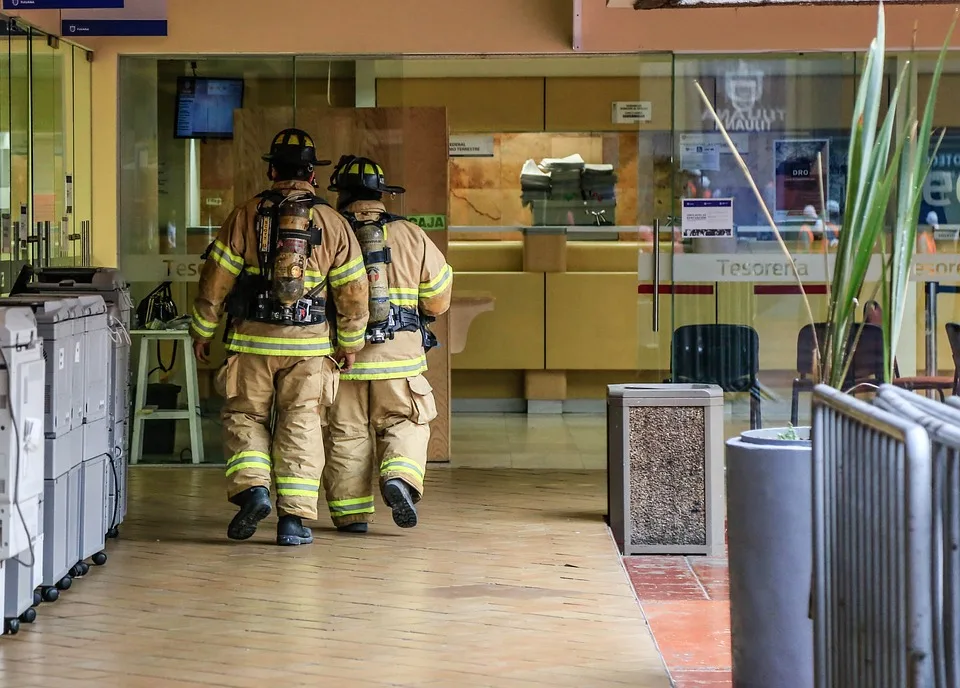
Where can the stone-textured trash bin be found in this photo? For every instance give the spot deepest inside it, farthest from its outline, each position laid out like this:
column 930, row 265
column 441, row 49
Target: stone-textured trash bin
column 770, row 550
column 665, row 468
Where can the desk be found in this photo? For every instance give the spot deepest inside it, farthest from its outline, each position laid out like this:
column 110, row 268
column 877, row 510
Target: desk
column 141, row 413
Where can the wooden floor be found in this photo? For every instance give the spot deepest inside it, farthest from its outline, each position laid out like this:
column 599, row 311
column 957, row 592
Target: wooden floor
column 511, row 580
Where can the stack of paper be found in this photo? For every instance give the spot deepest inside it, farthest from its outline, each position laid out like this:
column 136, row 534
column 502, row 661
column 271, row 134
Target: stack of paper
column 599, row 183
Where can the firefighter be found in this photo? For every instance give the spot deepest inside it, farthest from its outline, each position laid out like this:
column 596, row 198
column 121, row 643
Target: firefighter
column 276, row 263
column 410, row 285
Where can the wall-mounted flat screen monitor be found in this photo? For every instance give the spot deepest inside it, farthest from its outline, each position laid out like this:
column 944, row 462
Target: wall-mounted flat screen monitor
column 205, row 107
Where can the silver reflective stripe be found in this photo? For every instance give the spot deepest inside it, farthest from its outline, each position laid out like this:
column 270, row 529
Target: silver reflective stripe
column 349, row 508
column 285, row 346
column 360, row 370
column 281, row 486
column 243, row 458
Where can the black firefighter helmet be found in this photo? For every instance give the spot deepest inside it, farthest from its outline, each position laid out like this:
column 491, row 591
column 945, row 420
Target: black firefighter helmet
column 353, row 173
column 294, row 147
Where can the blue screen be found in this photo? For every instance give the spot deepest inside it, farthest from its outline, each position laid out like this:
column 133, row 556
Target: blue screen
column 205, row 107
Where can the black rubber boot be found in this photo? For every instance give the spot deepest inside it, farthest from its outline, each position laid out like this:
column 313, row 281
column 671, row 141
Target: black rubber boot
column 353, row 528
column 396, row 494
column 254, row 506
column 291, row 532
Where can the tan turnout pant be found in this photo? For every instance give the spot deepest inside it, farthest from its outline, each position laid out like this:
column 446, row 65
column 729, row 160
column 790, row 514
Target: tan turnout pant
column 375, row 426
column 295, row 388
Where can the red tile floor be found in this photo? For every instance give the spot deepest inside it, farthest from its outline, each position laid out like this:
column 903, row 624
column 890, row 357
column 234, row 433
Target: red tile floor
column 687, row 603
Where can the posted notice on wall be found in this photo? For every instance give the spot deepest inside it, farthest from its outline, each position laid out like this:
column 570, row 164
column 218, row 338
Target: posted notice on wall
column 700, row 156
column 632, row 112
column 470, row 146
column 707, row 217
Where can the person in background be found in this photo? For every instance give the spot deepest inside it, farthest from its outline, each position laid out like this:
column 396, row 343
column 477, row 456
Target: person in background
column 872, row 313
column 926, row 233
column 386, row 390
column 270, row 267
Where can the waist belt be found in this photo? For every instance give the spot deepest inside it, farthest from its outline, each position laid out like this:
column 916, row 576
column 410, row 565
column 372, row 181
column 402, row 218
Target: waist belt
column 267, row 309
column 398, row 320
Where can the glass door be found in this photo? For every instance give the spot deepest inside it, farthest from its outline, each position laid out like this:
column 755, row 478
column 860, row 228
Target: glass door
column 737, row 307
column 657, row 231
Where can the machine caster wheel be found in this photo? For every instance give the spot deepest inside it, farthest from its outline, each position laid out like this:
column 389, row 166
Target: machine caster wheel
column 51, row 594
column 64, row 583
column 29, row 616
column 84, row 568
column 11, row 626
column 100, row 558
column 113, row 533
column 37, row 597
column 74, row 571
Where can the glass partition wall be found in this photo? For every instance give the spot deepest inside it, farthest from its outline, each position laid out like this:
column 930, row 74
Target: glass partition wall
column 45, row 148
column 566, row 183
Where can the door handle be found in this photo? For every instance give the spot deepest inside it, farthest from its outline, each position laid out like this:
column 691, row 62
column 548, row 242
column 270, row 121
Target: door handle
column 656, row 275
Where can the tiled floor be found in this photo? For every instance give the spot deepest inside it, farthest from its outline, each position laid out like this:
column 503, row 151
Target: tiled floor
column 686, row 600
column 511, row 581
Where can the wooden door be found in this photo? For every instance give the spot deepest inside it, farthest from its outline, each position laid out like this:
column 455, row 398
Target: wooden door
column 411, row 146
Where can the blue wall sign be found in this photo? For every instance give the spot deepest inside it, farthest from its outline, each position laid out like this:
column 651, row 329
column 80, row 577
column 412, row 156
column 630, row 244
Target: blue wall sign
column 141, row 18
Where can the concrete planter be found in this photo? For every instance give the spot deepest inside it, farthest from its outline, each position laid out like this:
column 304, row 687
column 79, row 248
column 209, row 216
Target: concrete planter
column 770, row 550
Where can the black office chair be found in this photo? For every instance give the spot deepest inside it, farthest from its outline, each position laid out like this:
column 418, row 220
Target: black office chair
column 866, row 367
column 724, row 355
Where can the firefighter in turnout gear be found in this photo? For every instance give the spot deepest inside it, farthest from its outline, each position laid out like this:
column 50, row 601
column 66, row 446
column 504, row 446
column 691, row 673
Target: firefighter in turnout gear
column 286, row 267
column 410, row 285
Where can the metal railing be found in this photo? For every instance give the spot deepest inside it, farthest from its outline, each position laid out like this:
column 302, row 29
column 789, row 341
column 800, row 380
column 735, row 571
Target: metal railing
column 942, row 424
column 872, row 602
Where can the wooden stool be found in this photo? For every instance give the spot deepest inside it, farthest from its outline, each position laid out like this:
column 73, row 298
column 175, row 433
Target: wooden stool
column 142, row 413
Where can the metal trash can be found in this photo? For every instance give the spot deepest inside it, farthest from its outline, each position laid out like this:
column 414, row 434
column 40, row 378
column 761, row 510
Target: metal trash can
column 665, row 468
column 770, row 552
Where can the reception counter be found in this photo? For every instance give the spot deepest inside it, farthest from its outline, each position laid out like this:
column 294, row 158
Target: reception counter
column 574, row 316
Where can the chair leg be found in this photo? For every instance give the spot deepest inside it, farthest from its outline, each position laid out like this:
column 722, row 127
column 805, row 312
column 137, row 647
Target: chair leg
column 795, row 406
column 755, row 421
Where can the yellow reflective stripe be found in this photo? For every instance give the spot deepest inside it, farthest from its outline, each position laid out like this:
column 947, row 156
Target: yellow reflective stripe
column 351, row 507
column 437, row 284
column 404, row 297
column 350, row 337
column 401, row 463
column 285, row 492
column 350, row 502
column 305, row 481
column 386, row 370
column 313, row 279
column 402, row 469
column 202, row 326
column 225, row 258
column 347, row 272
column 279, row 346
column 255, row 460
column 297, row 487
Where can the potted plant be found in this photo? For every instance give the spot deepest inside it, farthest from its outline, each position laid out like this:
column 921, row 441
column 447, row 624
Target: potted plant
column 769, row 501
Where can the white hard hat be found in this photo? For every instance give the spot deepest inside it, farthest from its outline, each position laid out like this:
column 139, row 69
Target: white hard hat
column 810, row 212
column 705, row 182
column 833, row 206
column 932, row 219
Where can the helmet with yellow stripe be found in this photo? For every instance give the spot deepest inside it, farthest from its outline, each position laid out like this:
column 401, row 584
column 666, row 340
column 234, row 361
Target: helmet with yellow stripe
column 354, row 173
column 294, row 147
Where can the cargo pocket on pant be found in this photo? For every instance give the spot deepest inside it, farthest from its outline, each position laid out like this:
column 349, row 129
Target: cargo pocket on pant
column 225, row 381
column 329, row 382
column 424, row 404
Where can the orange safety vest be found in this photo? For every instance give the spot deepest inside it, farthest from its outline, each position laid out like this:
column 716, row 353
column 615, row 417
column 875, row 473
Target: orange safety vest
column 926, row 243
